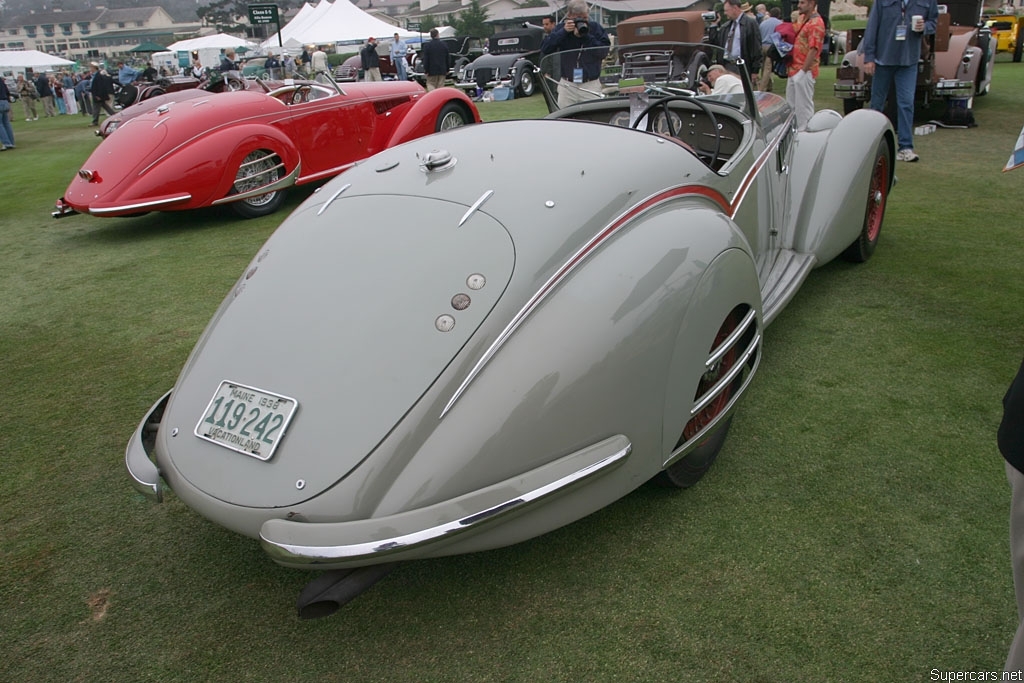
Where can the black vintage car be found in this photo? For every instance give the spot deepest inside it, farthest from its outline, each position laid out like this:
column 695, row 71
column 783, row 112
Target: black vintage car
column 512, row 59
column 461, row 51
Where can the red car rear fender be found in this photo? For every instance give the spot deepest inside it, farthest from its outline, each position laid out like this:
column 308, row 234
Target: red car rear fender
column 225, row 150
column 422, row 118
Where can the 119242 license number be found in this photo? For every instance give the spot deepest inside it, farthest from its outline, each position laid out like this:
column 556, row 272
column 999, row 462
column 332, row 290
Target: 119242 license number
column 246, row 420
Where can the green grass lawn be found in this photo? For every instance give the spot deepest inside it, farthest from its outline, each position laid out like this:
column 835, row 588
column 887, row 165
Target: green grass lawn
column 853, row 529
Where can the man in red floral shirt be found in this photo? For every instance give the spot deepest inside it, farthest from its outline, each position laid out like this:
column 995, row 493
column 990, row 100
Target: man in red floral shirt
column 804, row 59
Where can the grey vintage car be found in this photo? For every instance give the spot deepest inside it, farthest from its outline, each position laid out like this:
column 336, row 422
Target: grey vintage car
column 467, row 341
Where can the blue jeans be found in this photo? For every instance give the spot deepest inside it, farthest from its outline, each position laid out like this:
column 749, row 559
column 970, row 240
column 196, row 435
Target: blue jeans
column 905, row 79
column 6, row 131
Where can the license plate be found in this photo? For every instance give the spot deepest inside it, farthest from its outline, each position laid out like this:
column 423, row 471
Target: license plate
column 246, row 420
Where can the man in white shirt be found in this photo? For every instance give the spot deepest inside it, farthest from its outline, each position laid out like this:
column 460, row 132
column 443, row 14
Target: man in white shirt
column 722, row 82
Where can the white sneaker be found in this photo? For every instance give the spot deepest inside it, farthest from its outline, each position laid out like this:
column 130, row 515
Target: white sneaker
column 907, row 154
column 28, row 119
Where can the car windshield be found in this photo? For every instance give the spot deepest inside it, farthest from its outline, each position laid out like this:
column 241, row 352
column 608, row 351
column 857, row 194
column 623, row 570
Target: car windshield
column 640, row 72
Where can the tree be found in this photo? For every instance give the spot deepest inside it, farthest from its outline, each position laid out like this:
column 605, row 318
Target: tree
column 472, row 21
column 428, row 22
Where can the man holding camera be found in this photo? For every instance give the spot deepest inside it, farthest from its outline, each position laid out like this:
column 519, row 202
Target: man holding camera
column 580, row 68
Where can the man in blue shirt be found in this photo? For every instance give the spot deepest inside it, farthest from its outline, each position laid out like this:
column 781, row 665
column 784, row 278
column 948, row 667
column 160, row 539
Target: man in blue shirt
column 767, row 26
column 892, row 48
column 125, row 74
column 398, row 48
column 580, row 67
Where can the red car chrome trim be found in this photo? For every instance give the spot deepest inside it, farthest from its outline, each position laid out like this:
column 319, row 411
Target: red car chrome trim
column 287, row 181
column 161, row 201
column 730, row 208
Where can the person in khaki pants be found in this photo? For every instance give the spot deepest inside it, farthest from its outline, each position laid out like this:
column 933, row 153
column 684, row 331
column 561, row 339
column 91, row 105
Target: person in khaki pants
column 27, row 93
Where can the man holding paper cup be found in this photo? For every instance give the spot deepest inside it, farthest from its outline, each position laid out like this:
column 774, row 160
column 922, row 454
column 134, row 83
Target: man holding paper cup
column 892, row 48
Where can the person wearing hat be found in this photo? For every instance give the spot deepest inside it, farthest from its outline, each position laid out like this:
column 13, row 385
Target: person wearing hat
column 720, row 82
column 740, row 35
column 370, row 60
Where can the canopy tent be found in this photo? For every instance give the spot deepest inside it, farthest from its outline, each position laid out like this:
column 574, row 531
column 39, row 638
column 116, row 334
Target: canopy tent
column 306, row 17
column 220, row 41
column 18, row 60
column 148, row 46
column 336, row 22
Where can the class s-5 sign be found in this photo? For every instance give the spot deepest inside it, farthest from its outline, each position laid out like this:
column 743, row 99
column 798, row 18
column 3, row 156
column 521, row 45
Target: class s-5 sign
column 263, row 14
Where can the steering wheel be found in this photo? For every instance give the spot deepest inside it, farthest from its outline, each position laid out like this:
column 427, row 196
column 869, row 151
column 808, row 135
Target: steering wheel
column 301, row 93
column 664, row 102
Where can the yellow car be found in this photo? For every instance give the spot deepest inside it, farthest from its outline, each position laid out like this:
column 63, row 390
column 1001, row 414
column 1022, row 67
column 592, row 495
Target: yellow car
column 1004, row 30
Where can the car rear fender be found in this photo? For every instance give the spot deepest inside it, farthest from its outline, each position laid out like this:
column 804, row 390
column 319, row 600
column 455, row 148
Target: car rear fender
column 226, row 148
column 421, row 120
column 829, row 180
column 728, row 284
column 587, row 362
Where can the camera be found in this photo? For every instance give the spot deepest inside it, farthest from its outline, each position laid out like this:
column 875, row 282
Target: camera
column 582, row 25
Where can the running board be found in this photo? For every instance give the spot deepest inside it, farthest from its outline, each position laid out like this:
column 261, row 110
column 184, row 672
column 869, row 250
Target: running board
column 789, row 272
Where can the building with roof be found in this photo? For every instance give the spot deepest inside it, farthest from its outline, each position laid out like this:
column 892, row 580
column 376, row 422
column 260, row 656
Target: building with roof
column 506, row 14
column 79, row 34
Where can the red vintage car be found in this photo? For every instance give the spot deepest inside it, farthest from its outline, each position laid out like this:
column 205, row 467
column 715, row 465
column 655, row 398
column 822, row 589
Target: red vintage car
column 198, row 89
column 247, row 147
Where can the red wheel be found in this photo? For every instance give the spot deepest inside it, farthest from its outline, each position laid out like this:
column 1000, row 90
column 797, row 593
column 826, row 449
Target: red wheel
column 878, row 191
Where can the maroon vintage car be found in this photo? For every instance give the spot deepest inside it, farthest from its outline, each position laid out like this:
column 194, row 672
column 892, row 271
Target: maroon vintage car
column 247, row 147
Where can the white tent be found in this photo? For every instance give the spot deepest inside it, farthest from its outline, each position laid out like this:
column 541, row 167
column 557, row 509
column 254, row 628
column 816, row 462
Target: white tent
column 307, row 17
column 37, row 61
column 220, row 41
column 340, row 21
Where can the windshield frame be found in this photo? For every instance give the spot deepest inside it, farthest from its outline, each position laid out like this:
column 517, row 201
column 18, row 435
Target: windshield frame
column 658, row 68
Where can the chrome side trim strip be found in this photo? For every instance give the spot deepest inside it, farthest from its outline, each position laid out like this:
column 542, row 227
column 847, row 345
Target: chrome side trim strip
column 731, row 340
column 304, row 554
column 476, row 206
column 700, row 436
column 727, row 379
column 184, row 197
column 332, row 198
column 281, row 184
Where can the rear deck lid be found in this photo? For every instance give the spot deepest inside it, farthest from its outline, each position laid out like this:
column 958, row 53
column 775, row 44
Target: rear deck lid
column 339, row 325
